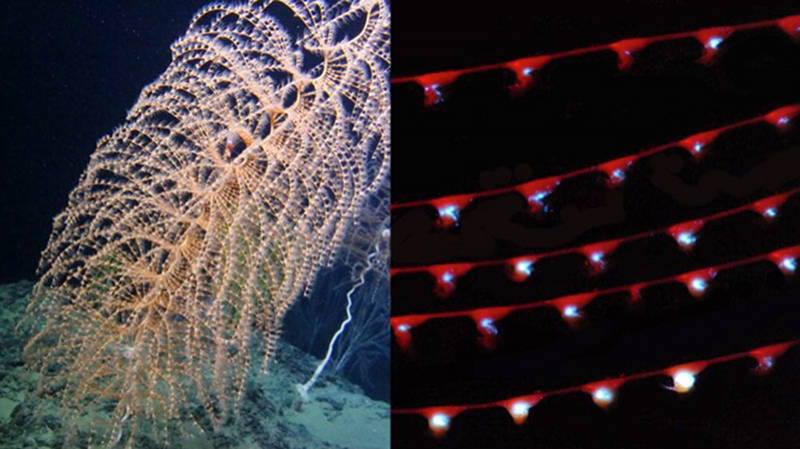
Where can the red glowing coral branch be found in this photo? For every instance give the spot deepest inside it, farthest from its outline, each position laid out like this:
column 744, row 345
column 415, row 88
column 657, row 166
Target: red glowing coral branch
column 696, row 281
column 603, row 391
column 535, row 191
column 524, row 68
column 521, row 267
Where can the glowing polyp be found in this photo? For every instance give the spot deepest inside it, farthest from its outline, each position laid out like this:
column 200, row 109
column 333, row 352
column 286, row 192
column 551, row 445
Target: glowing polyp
column 488, row 326
column 597, row 257
column 788, row 265
column 714, row 42
column 571, row 312
column 683, row 381
column 698, row 285
column 449, row 213
column 524, row 267
column 686, row 239
column 519, row 411
column 439, row 423
column 603, row 396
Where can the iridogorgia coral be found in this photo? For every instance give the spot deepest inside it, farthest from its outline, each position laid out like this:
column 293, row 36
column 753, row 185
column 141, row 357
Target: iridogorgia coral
column 235, row 177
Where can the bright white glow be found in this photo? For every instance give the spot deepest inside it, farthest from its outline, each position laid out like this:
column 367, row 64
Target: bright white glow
column 519, row 411
column 404, row 327
column 527, row 71
column 524, row 267
column 603, row 396
column 597, row 257
column 447, row 277
column 488, row 324
column 699, row 285
column 789, row 264
column 714, row 42
column 783, row 121
column 683, row 381
column 439, row 422
column 698, row 147
column 770, row 212
column 571, row 312
column 538, row 197
column 618, row 174
column 686, row 239
column 449, row 211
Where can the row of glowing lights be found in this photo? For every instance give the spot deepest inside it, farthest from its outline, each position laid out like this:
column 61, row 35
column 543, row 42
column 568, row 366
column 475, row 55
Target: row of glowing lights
column 449, row 213
column 712, row 44
column 524, row 267
column 683, row 381
column 697, row 286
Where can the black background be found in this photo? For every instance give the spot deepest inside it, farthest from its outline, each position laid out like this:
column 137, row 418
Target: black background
column 583, row 111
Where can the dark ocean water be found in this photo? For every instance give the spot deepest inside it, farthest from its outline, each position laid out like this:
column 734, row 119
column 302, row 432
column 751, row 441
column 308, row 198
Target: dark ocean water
column 578, row 112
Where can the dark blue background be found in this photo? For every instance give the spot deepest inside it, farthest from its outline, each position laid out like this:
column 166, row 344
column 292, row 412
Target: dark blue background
column 70, row 71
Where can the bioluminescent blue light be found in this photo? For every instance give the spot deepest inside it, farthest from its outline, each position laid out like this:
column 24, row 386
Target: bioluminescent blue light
column 538, row 196
column 524, row 267
column 714, row 42
column 440, row 421
column 686, row 239
column 699, row 284
column 448, row 277
column 450, row 211
column 571, row 312
column 789, row 264
column 488, row 324
column 603, row 395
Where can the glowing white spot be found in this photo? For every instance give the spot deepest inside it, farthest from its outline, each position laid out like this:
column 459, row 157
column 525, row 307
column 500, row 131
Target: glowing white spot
column 686, row 239
column 488, row 324
column 538, row 197
column 571, row 312
column 699, row 285
column 597, row 257
column 783, row 121
column 713, row 43
column 524, row 267
column 448, row 277
column 698, row 147
column 527, row 71
column 404, row 327
column 519, row 411
column 683, row 381
column 618, row 174
column 770, row 212
column 603, row 396
column 789, row 264
column 439, row 422
column 449, row 211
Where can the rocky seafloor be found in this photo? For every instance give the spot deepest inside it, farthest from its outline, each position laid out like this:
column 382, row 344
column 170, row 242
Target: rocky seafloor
column 338, row 416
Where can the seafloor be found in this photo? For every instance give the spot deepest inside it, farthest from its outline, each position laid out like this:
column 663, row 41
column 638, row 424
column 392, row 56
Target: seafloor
column 338, row 416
